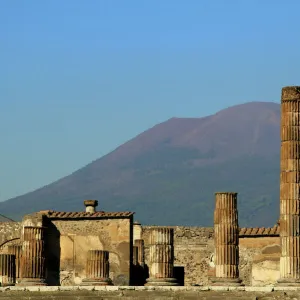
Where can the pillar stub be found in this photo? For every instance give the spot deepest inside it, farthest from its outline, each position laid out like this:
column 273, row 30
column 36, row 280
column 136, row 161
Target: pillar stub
column 90, row 205
column 97, row 269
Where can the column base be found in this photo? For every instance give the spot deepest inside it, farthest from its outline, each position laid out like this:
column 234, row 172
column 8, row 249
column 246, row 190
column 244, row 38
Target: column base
column 222, row 281
column 161, row 282
column 7, row 284
column 31, row 282
column 96, row 281
column 288, row 282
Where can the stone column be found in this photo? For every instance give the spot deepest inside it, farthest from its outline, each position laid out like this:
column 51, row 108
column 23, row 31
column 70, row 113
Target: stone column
column 17, row 251
column 33, row 256
column 141, row 252
column 7, row 269
column 226, row 240
column 161, row 260
column 290, row 187
column 97, row 268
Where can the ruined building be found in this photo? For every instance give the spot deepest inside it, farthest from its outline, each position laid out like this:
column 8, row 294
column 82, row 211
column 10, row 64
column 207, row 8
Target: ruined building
column 94, row 247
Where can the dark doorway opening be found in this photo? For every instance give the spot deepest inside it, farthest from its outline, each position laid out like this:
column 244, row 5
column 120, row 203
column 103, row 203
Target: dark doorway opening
column 179, row 274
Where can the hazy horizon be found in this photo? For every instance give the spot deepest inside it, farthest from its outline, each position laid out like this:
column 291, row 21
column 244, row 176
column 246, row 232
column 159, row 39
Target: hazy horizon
column 79, row 79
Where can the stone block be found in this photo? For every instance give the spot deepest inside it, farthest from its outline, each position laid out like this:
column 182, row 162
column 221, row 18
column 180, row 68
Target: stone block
column 236, row 288
column 262, row 289
column 286, row 288
column 218, row 288
column 178, row 288
column 69, row 288
column 32, row 288
column 100, row 288
column 112, row 288
column 17, row 288
column 49, row 288
column 87, row 288
column 126, row 288
column 140, row 288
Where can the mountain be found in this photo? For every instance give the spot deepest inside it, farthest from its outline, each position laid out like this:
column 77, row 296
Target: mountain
column 168, row 174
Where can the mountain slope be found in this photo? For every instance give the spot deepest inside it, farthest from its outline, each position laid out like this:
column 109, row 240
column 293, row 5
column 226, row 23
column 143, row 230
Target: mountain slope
column 169, row 173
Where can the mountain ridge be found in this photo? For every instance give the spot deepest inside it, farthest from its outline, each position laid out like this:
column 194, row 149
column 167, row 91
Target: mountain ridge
column 162, row 168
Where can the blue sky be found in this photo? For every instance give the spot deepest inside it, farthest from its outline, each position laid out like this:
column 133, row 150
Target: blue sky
column 79, row 78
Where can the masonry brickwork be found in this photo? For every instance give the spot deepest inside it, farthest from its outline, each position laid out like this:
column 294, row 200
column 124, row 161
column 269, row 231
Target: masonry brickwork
column 194, row 251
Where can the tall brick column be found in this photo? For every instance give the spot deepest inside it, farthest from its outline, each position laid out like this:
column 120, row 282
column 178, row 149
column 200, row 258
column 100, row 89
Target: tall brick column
column 7, row 269
column 33, row 256
column 17, row 251
column 290, row 187
column 226, row 240
column 97, row 268
column 141, row 252
column 161, row 258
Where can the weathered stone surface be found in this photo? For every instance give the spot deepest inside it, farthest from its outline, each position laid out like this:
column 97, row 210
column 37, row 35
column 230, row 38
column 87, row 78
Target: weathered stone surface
column 97, row 268
column 135, row 253
column 226, row 239
column 76, row 237
column 265, row 270
column 9, row 231
column 161, row 256
column 17, row 251
column 90, row 205
column 33, row 256
column 290, row 187
column 7, row 269
column 139, row 243
column 161, row 293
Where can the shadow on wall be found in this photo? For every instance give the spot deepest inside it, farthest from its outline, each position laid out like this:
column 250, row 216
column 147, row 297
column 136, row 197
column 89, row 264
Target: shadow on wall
column 139, row 274
column 53, row 255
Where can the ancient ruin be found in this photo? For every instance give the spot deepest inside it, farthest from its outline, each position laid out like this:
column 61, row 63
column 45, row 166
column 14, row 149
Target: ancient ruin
column 97, row 268
column 226, row 240
column 97, row 248
column 290, row 187
column 7, row 269
column 33, row 269
column 161, row 257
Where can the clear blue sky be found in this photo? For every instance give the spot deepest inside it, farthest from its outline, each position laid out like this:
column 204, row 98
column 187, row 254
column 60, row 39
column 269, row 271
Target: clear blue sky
column 79, row 78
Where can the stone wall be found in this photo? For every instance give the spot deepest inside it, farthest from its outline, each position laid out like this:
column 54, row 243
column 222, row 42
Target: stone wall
column 70, row 240
column 9, row 232
column 194, row 251
column 193, row 247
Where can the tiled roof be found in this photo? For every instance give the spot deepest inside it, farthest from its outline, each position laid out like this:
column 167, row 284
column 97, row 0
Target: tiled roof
column 84, row 215
column 262, row 231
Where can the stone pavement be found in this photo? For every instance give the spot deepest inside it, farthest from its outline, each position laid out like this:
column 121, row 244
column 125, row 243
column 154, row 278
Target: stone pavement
column 147, row 292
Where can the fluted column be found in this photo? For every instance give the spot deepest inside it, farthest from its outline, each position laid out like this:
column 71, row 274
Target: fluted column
column 7, row 269
column 161, row 258
column 226, row 240
column 290, row 187
column 97, row 268
column 33, row 256
column 139, row 243
column 17, row 251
